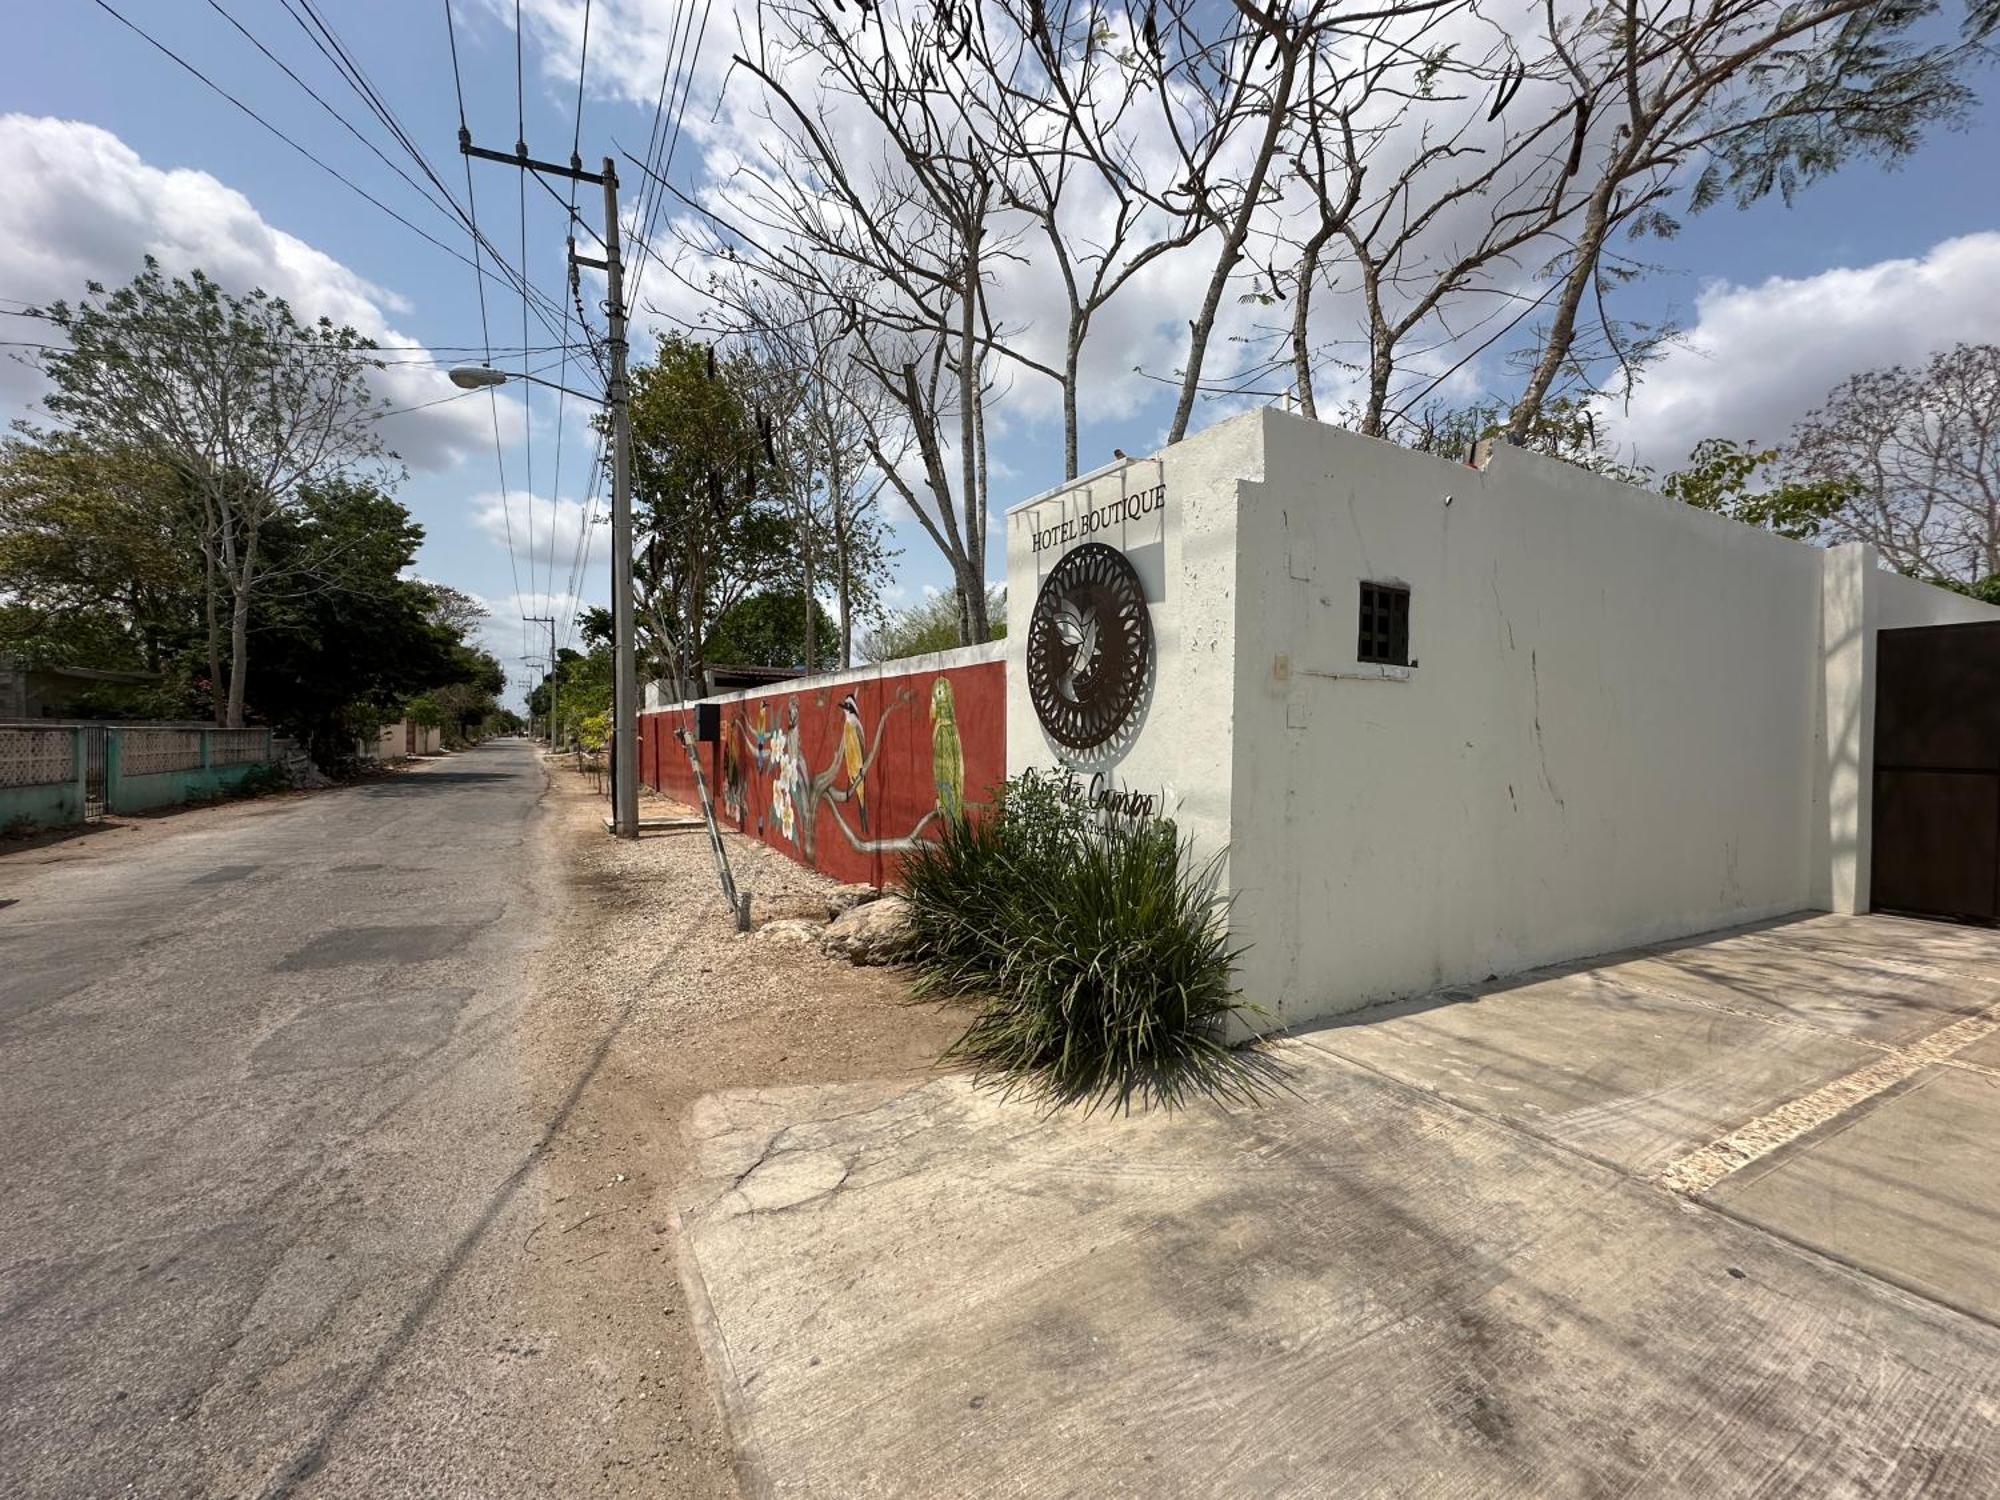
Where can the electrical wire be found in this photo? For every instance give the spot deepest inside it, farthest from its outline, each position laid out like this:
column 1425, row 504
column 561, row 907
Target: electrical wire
column 521, row 149
column 691, row 59
column 224, row 93
column 322, row 35
column 575, row 156
column 472, row 208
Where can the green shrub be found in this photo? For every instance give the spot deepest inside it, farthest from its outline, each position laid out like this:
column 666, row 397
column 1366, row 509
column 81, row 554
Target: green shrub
column 1096, row 947
column 262, row 780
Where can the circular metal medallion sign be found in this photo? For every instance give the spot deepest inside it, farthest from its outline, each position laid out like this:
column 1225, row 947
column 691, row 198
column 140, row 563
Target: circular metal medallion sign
column 1090, row 646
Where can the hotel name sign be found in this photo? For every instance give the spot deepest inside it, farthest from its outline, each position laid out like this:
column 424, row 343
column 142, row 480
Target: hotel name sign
column 1098, row 518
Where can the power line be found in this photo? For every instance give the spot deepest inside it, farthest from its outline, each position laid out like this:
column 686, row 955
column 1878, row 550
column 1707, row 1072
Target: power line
column 521, row 149
column 29, row 310
column 322, row 35
column 576, row 158
column 493, row 403
column 332, row 172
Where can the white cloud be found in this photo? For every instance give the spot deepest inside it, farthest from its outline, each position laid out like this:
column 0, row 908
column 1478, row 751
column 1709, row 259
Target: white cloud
column 82, row 205
column 551, row 527
column 1760, row 357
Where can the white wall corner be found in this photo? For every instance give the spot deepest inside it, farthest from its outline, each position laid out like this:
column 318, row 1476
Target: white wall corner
column 1845, row 776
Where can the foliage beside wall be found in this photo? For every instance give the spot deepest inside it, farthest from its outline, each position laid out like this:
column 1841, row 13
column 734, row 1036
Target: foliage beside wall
column 1094, row 945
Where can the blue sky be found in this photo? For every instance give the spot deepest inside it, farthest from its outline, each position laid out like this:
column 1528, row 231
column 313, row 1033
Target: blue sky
column 111, row 150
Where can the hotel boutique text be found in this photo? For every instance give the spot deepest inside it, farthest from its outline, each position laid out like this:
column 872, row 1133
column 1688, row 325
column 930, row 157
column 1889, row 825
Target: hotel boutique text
column 1129, row 508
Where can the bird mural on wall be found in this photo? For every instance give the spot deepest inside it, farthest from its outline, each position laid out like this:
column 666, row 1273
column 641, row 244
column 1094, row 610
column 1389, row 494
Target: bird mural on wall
column 851, row 756
column 947, row 755
column 732, row 772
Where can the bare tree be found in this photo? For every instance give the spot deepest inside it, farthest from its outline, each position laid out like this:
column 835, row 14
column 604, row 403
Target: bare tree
column 902, row 241
column 818, row 403
column 1921, row 449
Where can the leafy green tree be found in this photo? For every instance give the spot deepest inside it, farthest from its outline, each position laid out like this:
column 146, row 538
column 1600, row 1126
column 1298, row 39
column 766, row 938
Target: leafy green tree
column 933, row 625
column 97, row 552
column 582, row 680
column 769, row 630
column 1722, row 476
column 344, row 640
column 249, row 406
column 714, row 528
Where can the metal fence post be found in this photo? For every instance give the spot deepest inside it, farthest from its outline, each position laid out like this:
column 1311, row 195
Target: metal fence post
column 80, row 768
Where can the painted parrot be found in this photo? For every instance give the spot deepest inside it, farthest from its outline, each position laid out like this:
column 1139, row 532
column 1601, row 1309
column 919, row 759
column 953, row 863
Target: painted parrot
column 947, row 756
column 851, row 756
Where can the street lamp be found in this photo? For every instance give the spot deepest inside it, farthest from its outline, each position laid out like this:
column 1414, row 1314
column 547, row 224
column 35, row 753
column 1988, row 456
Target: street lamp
column 624, row 818
column 477, row 377
column 485, row 378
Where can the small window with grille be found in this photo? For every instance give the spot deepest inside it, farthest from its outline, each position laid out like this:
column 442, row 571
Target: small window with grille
column 1385, row 624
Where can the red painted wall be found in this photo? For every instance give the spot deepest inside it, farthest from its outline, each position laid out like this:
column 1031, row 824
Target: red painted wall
column 791, row 786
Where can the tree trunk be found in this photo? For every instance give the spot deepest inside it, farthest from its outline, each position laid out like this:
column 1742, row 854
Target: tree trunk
column 844, row 585
column 1301, row 305
column 1381, row 366
column 1232, row 248
column 239, row 654
column 806, row 550
column 215, row 705
column 971, row 611
column 1072, row 353
column 973, row 623
column 1562, row 328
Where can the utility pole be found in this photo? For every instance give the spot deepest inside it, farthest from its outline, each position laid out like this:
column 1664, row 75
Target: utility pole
column 624, row 818
column 624, row 664
column 529, row 661
column 550, row 621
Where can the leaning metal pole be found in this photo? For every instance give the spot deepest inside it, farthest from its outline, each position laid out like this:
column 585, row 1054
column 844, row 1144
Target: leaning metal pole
column 625, row 671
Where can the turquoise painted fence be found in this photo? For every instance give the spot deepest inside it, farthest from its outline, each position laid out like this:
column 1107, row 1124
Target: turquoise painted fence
column 47, row 779
column 42, row 777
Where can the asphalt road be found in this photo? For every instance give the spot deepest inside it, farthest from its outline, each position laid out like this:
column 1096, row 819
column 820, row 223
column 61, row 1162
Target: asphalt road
column 267, row 1151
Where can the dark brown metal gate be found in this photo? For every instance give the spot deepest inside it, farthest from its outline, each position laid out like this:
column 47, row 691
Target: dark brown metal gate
column 1937, row 772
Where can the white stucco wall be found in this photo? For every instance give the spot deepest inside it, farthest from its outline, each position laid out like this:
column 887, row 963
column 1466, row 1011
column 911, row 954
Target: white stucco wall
column 1603, row 739
column 1186, row 554
column 1627, row 719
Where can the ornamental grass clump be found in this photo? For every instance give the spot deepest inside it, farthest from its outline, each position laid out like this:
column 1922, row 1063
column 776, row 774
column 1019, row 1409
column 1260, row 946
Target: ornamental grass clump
column 1095, row 947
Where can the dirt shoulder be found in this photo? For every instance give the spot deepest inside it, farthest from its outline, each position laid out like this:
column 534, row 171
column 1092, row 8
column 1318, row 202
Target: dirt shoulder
column 647, row 999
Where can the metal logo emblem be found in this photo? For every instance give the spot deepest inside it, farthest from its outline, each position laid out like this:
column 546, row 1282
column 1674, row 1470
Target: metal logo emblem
column 1090, row 646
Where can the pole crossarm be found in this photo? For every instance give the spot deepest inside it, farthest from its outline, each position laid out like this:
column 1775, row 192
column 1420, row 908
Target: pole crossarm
column 574, row 171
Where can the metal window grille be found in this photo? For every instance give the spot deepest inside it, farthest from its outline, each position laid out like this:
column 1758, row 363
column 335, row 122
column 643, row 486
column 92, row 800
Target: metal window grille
column 1385, row 624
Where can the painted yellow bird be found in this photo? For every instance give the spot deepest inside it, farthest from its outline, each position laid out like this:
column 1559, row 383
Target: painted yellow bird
column 850, row 754
column 947, row 755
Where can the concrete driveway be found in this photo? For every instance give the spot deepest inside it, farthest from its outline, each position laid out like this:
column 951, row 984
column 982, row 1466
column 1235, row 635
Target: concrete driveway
column 1710, row 1218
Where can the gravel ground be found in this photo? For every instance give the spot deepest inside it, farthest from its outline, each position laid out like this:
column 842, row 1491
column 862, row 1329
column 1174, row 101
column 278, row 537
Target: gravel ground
column 647, row 999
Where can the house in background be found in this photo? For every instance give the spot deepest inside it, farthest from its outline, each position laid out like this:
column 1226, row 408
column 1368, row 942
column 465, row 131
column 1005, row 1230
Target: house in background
column 403, row 738
column 57, row 692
